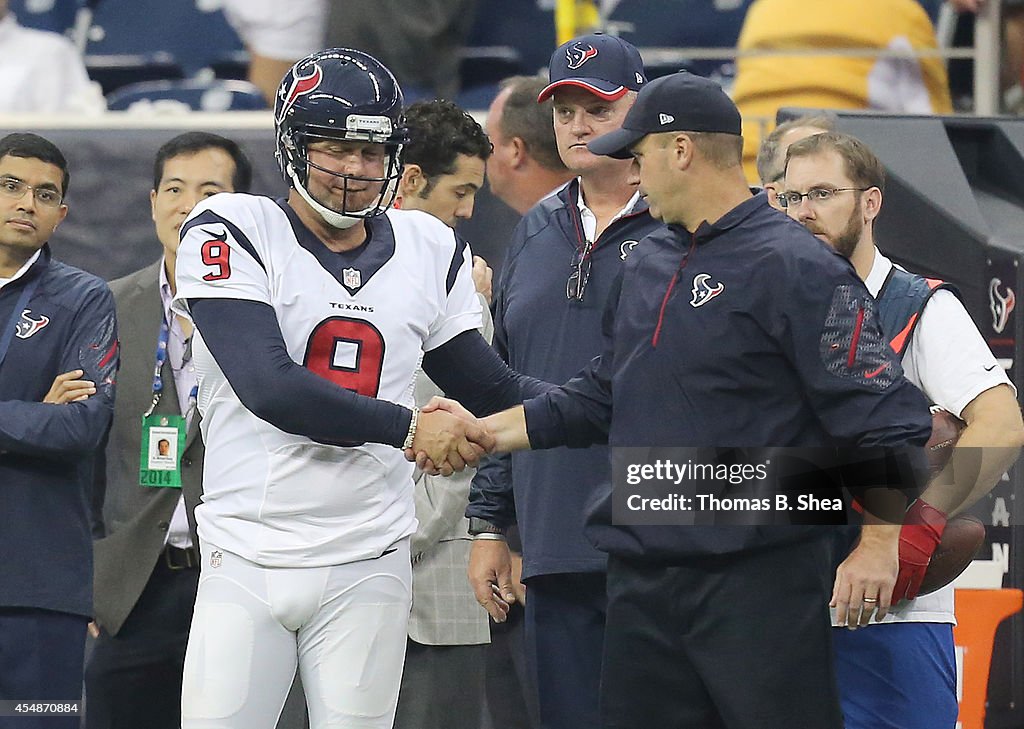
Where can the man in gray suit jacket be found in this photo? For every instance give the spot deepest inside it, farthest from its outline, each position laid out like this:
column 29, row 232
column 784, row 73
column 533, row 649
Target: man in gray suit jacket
column 443, row 682
column 146, row 565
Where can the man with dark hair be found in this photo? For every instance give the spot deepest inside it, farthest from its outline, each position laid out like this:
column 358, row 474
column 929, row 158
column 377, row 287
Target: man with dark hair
column 902, row 673
column 715, row 336
column 58, row 326
column 526, row 165
column 771, row 155
column 147, row 564
column 191, row 143
column 444, row 161
column 442, row 682
column 562, row 261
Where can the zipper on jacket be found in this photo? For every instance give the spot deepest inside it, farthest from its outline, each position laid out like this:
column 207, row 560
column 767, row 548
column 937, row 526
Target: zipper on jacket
column 668, row 291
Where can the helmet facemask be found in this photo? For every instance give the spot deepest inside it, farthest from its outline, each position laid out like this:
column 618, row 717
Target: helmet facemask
column 298, row 167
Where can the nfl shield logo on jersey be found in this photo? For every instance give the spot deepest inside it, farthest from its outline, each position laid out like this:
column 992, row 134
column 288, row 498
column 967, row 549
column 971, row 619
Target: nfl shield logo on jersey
column 351, row 278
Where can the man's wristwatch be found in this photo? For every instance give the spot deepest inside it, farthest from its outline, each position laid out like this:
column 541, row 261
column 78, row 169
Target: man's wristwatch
column 411, row 435
column 483, row 529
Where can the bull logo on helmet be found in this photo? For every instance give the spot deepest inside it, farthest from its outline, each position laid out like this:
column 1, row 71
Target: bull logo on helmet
column 577, row 54
column 702, row 292
column 300, row 86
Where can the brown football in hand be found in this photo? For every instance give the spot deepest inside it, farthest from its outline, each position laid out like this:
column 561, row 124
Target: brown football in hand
column 961, row 540
column 946, row 430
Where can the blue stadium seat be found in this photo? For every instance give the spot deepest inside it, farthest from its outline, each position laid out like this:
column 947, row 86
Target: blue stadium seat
column 477, row 98
column 56, row 16
column 933, row 7
column 181, row 28
column 481, row 69
column 518, row 24
column 232, row 64
column 114, row 71
column 680, row 24
column 215, row 95
column 482, row 65
column 667, row 23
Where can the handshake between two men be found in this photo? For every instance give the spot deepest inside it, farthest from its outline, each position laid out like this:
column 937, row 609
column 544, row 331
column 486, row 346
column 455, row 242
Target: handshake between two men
column 447, row 437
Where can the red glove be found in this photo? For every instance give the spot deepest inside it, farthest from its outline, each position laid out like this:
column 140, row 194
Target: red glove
column 921, row 533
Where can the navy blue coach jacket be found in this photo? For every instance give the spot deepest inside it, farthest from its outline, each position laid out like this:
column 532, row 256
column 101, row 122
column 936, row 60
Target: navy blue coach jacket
column 749, row 333
column 46, row 451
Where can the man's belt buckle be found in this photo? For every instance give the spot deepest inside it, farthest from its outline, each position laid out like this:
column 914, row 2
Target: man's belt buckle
column 180, row 559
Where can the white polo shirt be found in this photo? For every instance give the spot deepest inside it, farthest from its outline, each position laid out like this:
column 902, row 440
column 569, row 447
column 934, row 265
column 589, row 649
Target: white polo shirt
column 951, row 363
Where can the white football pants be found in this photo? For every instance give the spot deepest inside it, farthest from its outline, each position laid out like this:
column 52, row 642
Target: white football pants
column 344, row 626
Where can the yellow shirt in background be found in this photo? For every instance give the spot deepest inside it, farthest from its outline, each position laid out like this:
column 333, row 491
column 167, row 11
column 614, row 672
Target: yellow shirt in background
column 904, row 85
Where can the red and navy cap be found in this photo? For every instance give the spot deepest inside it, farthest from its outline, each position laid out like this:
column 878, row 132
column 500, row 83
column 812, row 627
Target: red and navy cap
column 604, row 65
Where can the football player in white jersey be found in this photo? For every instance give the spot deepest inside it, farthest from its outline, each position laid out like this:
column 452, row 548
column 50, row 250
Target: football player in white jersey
column 312, row 315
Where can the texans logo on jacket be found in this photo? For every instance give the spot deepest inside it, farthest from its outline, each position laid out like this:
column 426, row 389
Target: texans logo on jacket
column 27, row 326
column 702, row 292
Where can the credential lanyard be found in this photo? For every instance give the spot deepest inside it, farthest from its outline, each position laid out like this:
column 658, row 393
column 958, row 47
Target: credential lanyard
column 19, row 308
column 158, row 381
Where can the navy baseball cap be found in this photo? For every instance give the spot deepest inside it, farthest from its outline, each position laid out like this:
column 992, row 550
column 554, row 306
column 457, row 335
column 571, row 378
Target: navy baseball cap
column 604, row 65
column 682, row 102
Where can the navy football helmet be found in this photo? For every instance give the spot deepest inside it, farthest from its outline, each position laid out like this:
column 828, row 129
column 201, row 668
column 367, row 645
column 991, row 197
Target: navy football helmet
column 339, row 93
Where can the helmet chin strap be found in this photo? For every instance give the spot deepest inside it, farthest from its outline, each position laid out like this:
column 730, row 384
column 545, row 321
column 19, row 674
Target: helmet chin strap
column 332, row 217
column 335, row 219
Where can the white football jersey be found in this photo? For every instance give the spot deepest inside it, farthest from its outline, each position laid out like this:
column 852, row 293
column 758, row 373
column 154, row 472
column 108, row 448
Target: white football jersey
column 361, row 319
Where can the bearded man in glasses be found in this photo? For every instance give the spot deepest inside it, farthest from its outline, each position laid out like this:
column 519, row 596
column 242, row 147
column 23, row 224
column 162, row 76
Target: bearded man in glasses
column 561, row 263
column 902, row 672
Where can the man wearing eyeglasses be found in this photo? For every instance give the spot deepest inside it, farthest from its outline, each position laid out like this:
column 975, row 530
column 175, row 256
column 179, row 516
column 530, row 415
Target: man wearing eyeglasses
column 561, row 262
column 57, row 325
column 902, row 672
